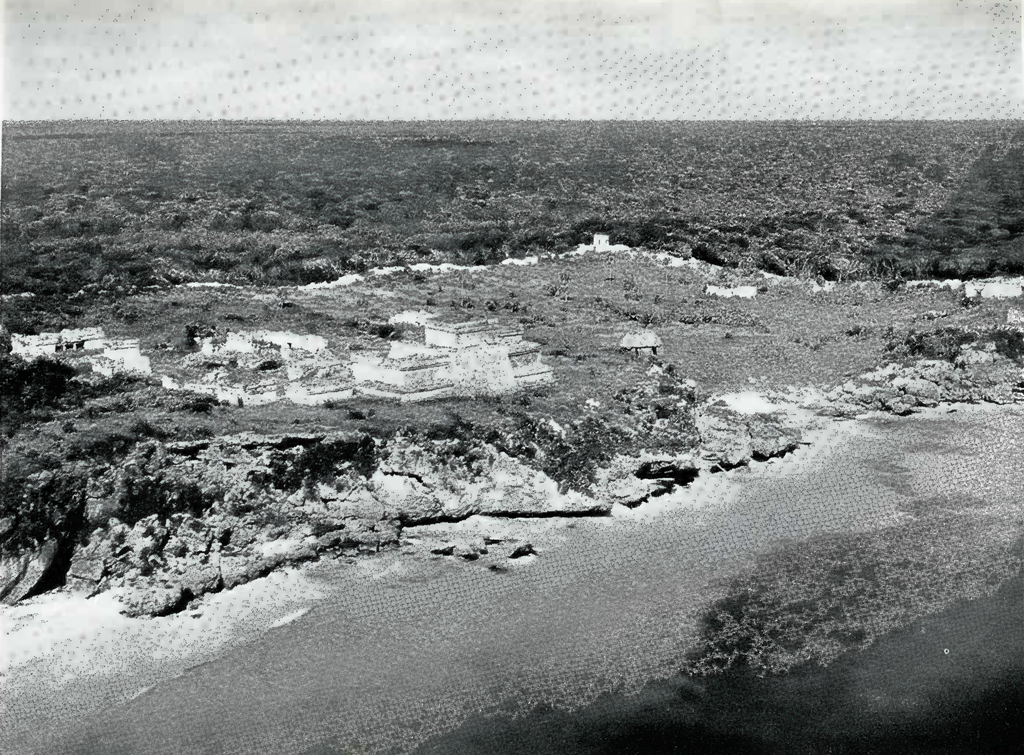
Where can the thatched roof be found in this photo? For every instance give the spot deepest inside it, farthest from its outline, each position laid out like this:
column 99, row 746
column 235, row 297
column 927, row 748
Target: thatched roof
column 646, row 339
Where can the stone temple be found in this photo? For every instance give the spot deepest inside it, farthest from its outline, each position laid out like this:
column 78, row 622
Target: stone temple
column 45, row 344
column 82, row 346
column 475, row 358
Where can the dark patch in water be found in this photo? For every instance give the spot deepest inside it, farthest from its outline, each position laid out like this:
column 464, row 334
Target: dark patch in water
column 904, row 695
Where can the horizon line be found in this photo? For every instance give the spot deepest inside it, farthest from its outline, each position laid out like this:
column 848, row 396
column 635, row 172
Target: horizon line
column 511, row 120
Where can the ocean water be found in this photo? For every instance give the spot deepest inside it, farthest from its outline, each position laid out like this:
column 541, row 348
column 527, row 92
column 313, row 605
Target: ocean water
column 579, row 651
column 952, row 682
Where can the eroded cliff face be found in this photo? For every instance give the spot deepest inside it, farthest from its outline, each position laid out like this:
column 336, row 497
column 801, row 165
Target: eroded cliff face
column 730, row 439
column 177, row 520
column 174, row 521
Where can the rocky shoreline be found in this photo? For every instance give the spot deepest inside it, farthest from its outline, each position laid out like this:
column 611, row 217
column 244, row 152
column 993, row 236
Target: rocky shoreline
column 160, row 564
column 417, row 495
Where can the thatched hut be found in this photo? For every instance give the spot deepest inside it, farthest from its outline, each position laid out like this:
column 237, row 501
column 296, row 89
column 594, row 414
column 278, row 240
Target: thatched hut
column 643, row 342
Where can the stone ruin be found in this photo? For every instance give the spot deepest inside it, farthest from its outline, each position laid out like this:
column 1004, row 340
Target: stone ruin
column 263, row 366
column 107, row 356
column 69, row 340
column 122, row 356
column 642, row 342
column 475, row 358
column 248, row 343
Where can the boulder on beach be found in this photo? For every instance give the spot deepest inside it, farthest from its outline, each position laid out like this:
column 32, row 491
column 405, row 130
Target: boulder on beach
column 21, row 574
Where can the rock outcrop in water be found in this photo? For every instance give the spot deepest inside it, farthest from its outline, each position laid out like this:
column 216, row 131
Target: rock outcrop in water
column 730, row 439
column 974, row 376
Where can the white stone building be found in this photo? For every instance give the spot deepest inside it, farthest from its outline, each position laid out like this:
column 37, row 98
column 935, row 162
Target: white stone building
column 405, row 372
column 69, row 340
column 235, row 394
column 476, row 358
column 602, row 243
column 253, row 376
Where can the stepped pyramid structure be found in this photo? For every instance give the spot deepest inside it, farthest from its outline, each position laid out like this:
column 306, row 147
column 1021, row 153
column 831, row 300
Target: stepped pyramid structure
column 475, row 358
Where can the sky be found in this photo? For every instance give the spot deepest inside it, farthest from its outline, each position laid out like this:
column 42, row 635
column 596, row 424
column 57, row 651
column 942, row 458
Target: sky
column 444, row 59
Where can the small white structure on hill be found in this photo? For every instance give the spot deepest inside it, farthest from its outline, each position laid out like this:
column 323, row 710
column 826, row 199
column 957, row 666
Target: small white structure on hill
column 122, row 355
column 642, row 342
column 602, row 243
column 475, row 358
column 70, row 340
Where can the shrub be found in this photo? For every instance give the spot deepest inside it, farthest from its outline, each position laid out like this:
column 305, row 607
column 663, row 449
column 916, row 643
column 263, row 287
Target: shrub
column 714, row 254
column 25, row 386
column 163, row 492
column 943, row 343
column 38, row 504
column 484, row 247
column 1009, row 343
column 858, row 331
column 102, row 445
column 143, row 428
column 570, row 458
column 323, row 461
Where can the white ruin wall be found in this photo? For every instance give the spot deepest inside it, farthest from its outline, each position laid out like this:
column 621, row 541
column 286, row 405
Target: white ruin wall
column 481, row 371
column 437, row 337
column 77, row 339
column 246, row 343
